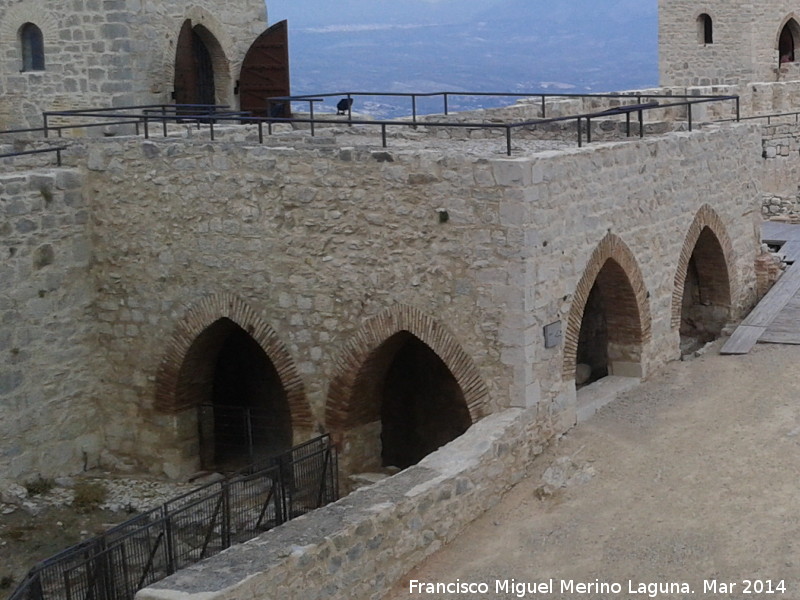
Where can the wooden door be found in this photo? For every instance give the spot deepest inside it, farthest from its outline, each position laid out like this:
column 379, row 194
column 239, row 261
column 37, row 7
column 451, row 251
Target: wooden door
column 194, row 70
column 265, row 72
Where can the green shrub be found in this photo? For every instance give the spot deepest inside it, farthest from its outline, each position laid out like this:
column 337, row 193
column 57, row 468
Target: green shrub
column 89, row 495
column 40, row 485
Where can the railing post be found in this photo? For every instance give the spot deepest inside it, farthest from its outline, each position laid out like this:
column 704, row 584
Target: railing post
column 413, row 108
column 211, row 128
column 170, row 543
column 146, row 128
column 628, row 124
column 508, row 140
column 383, row 134
column 738, row 114
column 248, row 423
column 46, row 130
column 311, row 112
column 690, row 115
column 349, row 109
column 58, row 156
column 588, row 130
column 164, row 119
column 544, row 107
column 580, row 134
column 261, row 132
column 445, row 104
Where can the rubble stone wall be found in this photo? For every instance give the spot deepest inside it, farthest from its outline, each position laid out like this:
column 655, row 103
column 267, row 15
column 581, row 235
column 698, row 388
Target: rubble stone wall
column 47, row 414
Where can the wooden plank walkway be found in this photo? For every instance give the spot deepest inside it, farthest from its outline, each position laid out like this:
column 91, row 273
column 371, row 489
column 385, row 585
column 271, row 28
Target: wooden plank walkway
column 776, row 318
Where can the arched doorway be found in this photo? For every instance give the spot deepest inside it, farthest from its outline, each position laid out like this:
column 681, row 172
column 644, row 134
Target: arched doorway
column 422, row 407
column 787, row 42
column 610, row 333
column 403, row 387
column 198, row 65
column 265, row 73
column 609, row 320
column 244, row 414
column 706, row 296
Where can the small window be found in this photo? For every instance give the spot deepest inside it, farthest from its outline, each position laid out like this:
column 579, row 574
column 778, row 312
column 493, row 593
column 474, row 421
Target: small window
column 787, row 41
column 705, row 29
column 32, row 48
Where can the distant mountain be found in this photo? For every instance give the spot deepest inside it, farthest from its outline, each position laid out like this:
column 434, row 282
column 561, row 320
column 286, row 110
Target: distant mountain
column 505, row 45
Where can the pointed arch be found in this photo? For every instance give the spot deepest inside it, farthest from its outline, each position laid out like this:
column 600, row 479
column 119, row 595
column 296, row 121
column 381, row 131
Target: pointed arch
column 787, row 39
column 202, row 71
column 629, row 315
column 344, row 411
column 172, row 398
column 707, row 235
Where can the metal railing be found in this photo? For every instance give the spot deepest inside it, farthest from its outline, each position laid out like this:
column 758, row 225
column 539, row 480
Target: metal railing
column 143, row 117
column 188, row 528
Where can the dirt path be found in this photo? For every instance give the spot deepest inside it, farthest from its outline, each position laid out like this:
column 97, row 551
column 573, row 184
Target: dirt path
column 691, row 477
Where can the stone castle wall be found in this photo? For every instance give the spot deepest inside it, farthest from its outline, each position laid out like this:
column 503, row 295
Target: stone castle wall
column 318, row 245
column 103, row 54
column 744, row 48
column 47, row 340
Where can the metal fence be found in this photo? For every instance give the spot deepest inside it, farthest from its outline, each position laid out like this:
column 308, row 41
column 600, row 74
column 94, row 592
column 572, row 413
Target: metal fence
column 188, row 528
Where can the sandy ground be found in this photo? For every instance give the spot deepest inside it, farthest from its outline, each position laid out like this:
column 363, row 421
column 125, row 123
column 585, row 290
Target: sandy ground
column 690, row 478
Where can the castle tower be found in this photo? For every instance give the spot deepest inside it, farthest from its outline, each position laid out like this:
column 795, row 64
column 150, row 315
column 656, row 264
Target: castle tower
column 714, row 42
column 102, row 53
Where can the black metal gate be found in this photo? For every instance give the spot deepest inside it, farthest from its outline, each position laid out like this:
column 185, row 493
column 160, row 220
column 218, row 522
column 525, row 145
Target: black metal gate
column 188, row 528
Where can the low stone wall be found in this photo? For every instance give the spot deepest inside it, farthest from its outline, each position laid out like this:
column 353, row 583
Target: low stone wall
column 361, row 545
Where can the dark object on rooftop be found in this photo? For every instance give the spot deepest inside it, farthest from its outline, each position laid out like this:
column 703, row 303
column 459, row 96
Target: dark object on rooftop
column 344, row 105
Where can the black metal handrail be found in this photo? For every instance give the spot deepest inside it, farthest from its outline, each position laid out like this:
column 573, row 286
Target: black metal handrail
column 56, row 149
column 638, row 97
column 210, row 115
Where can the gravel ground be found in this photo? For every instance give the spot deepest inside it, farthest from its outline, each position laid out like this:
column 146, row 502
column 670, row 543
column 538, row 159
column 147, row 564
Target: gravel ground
column 688, row 479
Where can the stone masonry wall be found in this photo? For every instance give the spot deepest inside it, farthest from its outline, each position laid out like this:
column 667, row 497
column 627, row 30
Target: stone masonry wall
column 47, row 346
column 317, row 240
column 744, row 48
column 112, row 53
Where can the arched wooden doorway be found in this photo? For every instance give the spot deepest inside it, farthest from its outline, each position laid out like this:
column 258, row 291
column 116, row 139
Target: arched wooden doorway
column 265, row 73
column 195, row 81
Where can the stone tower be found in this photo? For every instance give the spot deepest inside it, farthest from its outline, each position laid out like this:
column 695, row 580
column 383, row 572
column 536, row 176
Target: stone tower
column 715, row 42
column 101, row 53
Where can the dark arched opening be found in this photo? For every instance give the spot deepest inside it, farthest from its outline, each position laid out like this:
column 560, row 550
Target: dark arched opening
column 244, row 415
column 705, row 29
column 705, row 305
column 610, row 332
column 422, row 405
column 194, row 66
column 406, row 404
column 787, row 41
column 32, row 47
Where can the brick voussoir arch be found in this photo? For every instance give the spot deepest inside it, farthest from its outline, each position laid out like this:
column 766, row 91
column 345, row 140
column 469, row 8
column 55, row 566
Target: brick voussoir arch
column 613, row 248
column 199, row 317
column 342, row 410
column 705, row 217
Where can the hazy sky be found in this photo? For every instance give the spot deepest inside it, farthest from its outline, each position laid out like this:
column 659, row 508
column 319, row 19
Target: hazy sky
column 305, row 13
